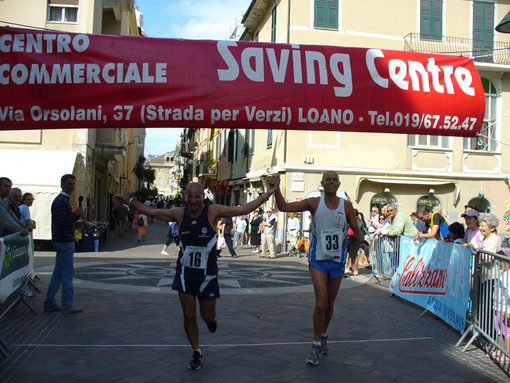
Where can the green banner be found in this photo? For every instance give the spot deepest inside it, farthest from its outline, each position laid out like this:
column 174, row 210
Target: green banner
column 15, row 256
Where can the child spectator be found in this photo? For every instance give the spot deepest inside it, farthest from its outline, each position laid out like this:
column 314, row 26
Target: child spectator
column 455, row 233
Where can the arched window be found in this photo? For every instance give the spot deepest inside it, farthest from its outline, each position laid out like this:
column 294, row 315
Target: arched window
column 486, row 142
column 429, row 200
column 481, row 204
column 382, row 199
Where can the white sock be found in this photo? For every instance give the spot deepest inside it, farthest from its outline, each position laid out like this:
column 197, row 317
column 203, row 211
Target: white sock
column 199, row 350
column 317, row 343
column 324, row 335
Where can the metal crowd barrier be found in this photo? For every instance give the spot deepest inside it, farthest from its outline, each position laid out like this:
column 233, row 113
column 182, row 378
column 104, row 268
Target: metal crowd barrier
column 384, row 257
column 489, row 317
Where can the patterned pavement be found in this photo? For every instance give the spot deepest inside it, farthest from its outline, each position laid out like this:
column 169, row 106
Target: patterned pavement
column 131, row 327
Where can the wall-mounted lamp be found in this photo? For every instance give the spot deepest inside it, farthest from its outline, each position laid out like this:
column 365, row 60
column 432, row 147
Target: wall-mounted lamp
column 386, row 190
column 504, row 25
column 431, row 191
column 481, row 194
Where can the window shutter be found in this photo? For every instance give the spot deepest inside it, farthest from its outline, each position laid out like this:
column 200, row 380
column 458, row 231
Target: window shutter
column 320, row 13
column 332, row 14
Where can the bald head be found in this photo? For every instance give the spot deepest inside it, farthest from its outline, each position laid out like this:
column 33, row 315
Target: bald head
column 194, row 187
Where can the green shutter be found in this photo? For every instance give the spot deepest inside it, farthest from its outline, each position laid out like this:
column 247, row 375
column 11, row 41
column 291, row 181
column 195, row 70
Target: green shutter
column 431, row 19
column 326, row 14
column 483, row 31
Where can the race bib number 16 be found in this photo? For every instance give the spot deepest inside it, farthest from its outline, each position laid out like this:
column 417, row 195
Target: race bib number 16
column 195, row 257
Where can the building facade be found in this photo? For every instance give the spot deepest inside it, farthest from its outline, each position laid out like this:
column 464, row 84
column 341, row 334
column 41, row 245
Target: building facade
column 377, row 168
column 101, row 159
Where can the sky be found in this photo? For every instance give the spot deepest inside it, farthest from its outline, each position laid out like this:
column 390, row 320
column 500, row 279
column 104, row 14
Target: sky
column 186, row 19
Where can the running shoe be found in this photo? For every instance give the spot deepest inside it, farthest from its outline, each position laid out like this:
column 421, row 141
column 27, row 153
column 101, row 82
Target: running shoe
column 196, row 362
column 212, row 326
column 313, row 358
column 324, row 345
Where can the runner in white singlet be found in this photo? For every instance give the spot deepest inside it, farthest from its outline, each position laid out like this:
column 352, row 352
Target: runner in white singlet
column 332, row 217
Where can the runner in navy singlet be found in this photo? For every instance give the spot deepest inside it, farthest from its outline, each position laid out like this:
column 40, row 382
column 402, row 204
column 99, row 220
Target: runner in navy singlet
column 197, row 271
column 332, row 217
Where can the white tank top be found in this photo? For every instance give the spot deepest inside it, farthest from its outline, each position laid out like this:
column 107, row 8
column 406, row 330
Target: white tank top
column 329, row 233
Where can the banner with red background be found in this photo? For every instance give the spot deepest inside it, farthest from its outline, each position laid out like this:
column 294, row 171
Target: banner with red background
column 65, row 80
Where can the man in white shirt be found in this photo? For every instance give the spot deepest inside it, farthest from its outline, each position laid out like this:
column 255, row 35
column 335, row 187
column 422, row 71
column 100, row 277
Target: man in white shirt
column 293, row 230
column 269, row 225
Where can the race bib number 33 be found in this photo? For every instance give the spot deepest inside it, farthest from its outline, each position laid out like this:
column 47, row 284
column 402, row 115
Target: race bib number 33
column 195, row 257
column 330, row 240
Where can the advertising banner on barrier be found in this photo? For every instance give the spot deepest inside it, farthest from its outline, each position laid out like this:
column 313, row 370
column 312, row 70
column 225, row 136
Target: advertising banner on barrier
column 434, row 275
column 52, row 79
column 16, row 257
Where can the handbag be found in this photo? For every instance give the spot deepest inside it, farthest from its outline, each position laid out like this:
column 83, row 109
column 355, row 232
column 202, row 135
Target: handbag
column 220, row 244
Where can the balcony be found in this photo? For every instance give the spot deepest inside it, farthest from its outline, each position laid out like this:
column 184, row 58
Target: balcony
column 206, row 169
column 492, row 52
column 111, row 143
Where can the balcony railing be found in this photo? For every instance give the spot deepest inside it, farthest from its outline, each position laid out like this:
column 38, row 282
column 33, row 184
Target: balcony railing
column 206, row 170
column 493, row 52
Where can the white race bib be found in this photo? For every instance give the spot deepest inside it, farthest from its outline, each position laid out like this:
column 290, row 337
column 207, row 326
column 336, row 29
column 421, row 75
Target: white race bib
column 195, row 257
column 331, row 241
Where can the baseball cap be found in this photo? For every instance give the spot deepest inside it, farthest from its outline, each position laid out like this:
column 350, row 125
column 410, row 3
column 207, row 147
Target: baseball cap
column 470, row 213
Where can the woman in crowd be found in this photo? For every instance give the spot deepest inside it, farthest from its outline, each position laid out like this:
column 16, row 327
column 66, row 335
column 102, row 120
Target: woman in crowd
column 491, row 240
column 255, row 232
column 473, row 237
column 26, row 201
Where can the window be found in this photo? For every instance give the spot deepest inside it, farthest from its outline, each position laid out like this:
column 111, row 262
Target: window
column 160, row 181
column 483, row 31
column 233, row 137
column 326, row 14
column 429, row 200
column 273, row 25
column 169, row 181
column 382, row 199
column 269, row 138
column 63, row 11
column 486, row 142
column 431, row 19
column 430, row 142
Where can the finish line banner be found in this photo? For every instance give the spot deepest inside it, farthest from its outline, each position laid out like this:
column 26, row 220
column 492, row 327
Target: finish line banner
column 16, row 262
column 435, row 275
column 66, row 80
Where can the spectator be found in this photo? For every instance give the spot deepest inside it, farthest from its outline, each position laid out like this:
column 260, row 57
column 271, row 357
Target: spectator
column 14, row 201
column 173, row 234
column 63, row 239
column 488, row 224
column 373, row 220
column 293, row 230
column 9, row 223
column 435, row 221
column 26, row 202
column 240, row 230
column 228, row 230
column 418, row 223
column 455, row 233
column 122, row 219
column 255, row 239
column 142, row 223
column 269, row 226
column 384, row 225
column 473, row 237
column 400, row 224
